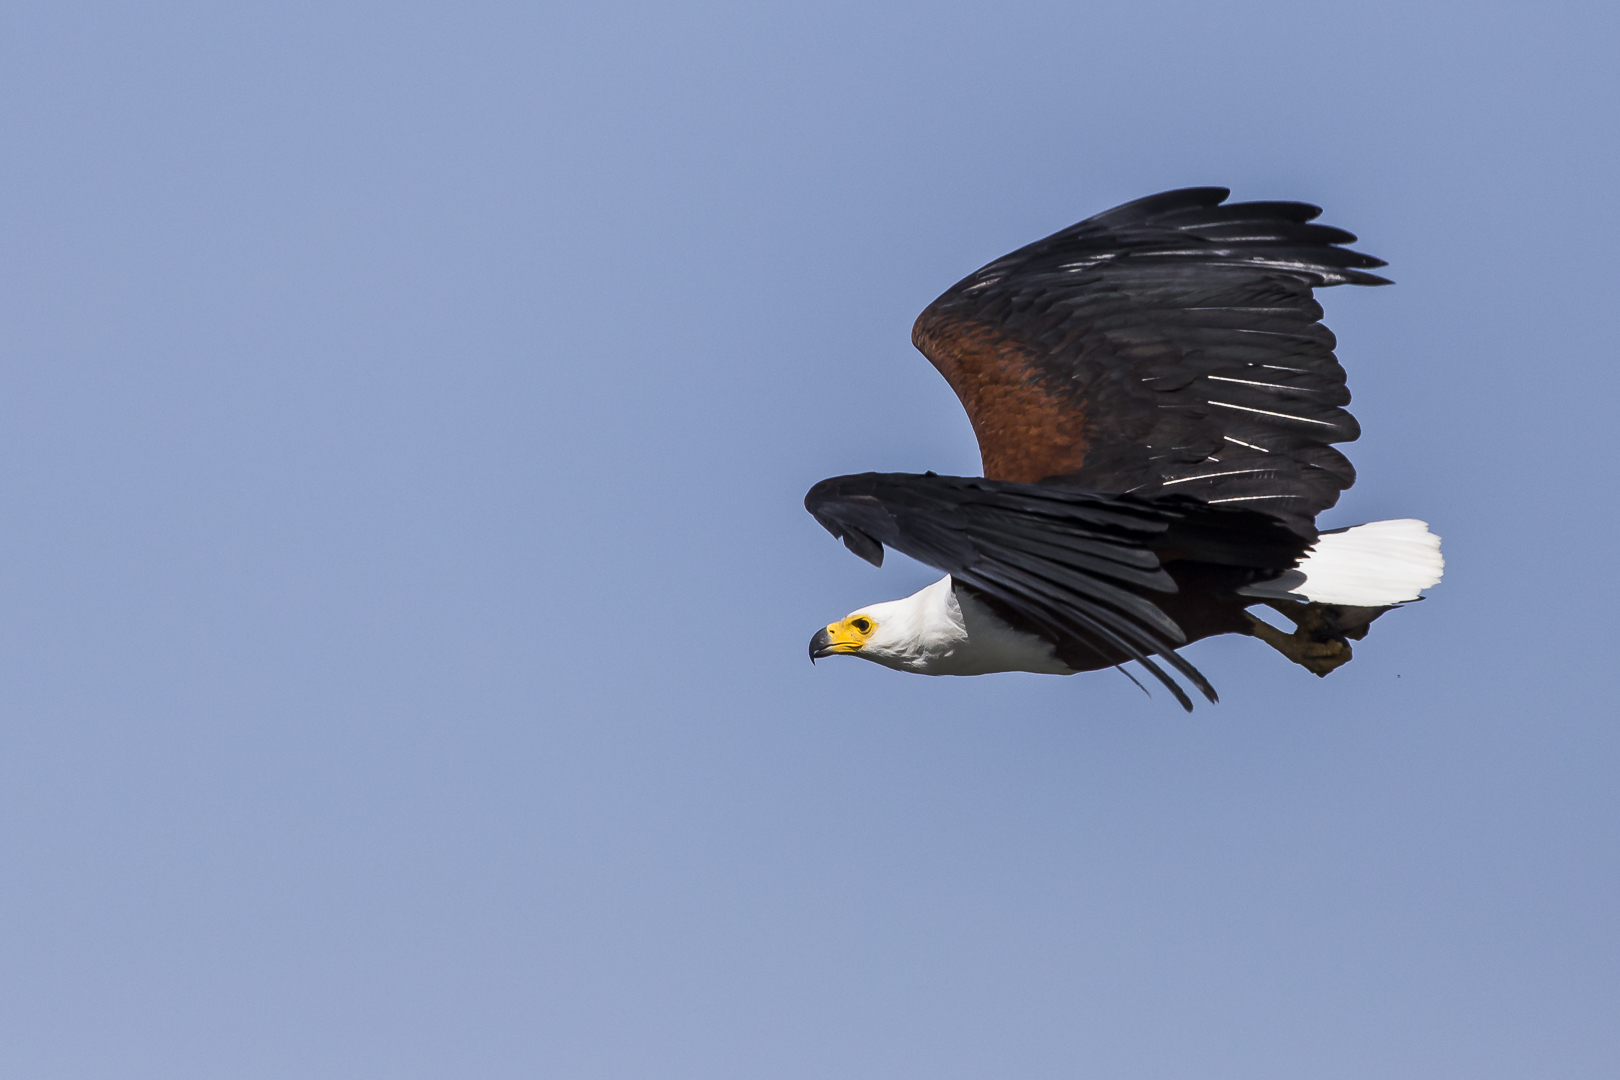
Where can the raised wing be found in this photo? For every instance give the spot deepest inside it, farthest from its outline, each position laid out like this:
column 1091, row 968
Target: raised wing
column 1079, row 566
column 1169, row 345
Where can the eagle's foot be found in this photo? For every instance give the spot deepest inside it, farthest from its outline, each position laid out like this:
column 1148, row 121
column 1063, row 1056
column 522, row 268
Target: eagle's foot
column 1324, row 621
column 1307, row 646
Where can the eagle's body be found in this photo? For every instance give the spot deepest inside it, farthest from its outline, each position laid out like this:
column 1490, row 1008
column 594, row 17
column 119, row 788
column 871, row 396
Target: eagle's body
column 1155, row 404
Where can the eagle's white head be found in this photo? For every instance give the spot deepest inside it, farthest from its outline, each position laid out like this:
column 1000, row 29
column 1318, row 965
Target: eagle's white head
column 940, row 630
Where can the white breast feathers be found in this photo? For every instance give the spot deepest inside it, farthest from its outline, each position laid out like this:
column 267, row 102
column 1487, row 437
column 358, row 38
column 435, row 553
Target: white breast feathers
column 942, row 630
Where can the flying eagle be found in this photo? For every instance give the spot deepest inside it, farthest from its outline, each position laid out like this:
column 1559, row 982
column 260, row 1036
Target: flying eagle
column 1156, row 403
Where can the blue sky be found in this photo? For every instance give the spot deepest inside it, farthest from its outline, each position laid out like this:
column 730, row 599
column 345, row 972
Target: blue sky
column 404, row 583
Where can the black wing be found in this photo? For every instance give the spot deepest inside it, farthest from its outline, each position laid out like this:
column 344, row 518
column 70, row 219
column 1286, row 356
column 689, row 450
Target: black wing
column 1072, row 565
column 1170, row 344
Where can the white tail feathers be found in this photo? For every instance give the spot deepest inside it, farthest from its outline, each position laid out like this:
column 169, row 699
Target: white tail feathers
column 1372, row 565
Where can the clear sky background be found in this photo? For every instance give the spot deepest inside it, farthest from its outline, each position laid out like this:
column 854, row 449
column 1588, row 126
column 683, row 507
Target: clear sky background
column 404, row 586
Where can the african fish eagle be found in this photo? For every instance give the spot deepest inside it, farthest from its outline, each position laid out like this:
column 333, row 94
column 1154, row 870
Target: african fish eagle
column 1156, row 403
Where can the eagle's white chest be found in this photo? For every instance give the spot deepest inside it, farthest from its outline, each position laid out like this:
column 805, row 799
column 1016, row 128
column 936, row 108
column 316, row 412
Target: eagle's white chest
column 943, row 631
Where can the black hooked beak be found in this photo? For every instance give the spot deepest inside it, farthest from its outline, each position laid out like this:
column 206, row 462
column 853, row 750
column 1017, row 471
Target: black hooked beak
column 820, row 645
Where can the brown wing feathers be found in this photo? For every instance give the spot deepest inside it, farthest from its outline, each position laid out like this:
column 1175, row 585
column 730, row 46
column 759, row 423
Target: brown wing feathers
column 1170, row 344
column 1025, row 431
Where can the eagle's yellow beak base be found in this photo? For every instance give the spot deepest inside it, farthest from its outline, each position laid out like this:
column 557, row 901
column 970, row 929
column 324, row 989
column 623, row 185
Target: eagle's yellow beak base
column 835, row 639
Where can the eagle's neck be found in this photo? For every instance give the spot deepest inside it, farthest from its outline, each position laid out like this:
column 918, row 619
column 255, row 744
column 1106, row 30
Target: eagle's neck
column 944, row 630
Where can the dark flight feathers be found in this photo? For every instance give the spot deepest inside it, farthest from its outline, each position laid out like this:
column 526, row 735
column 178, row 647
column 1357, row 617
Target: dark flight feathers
column 1168, row 345
column 1072, row 565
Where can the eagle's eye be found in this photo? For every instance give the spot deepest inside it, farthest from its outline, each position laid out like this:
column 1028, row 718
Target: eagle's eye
column 862, row 626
